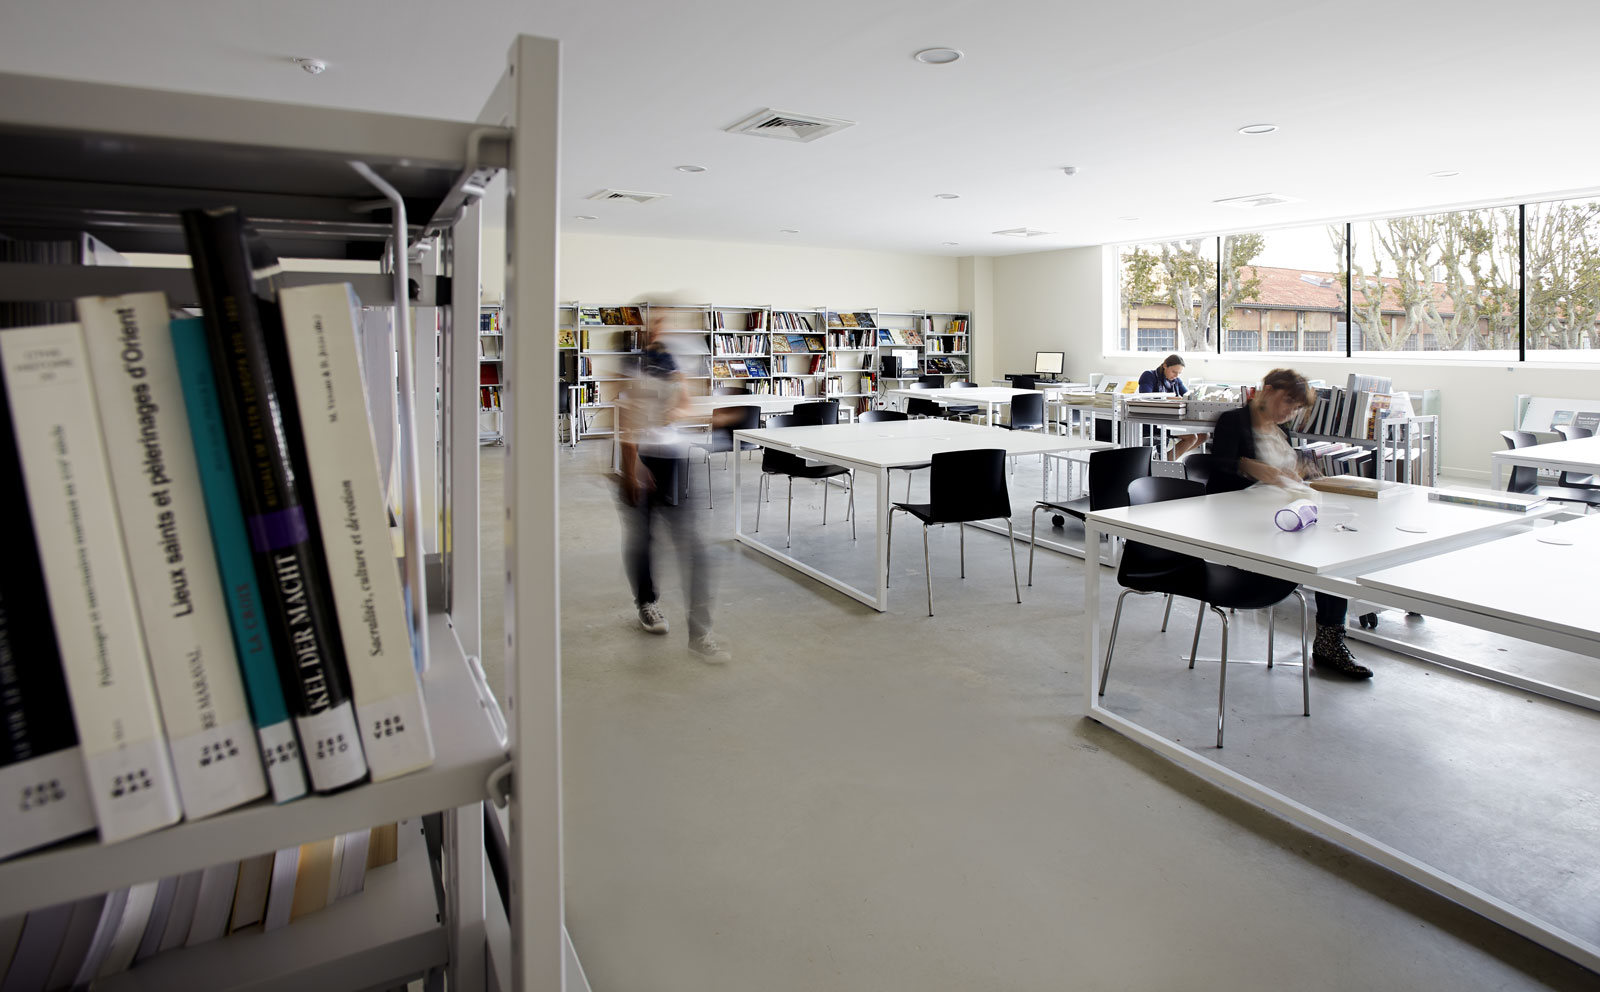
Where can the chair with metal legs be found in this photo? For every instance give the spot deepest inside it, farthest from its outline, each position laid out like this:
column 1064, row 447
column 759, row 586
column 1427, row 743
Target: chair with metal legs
column 1525, row 478
column 775, row 462
column 1579, row 480
column 739, row 418
column 1110, row 472
column 963, row 486
column 1145, row 569
column 888, row 416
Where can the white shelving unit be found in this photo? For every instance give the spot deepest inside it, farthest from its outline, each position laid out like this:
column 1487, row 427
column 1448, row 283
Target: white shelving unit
column 120, row 162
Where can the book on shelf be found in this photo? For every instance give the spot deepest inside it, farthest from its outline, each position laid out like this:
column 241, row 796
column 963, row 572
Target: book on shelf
column 250, row 893
column 1494, row 500
column 160, row 912
column 44, row 791
column 611, row 315
column 886, row 336
column 1356, row 485
column 632, row 316
column 847, row 319
column 863, row 319
column 80, row 543
column 959, row 364
column 589, row 315
column 721, row 370
column 912, row 337
column 737, row 368
column 260, row 414
column 155, row 479
column 814, row 343
column 757, row 367
column 780, row 344
column 832, row 319
column 319, row 324
column 565, row 338
column 213, row 904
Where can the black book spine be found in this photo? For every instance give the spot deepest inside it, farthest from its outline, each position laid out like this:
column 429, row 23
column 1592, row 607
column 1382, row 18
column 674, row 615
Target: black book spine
column 34, row 705
column 278, row 517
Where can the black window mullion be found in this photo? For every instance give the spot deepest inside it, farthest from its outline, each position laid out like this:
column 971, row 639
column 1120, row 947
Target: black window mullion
column 1522, row 282
column 1349, row 299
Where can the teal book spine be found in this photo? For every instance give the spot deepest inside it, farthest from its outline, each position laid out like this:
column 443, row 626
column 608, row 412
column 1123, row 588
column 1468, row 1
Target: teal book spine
column 280, row 749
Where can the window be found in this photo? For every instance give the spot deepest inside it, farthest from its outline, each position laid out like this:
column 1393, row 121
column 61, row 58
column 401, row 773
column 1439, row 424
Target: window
column 1563, row 246
column 1436, row 282
column 1279, row 284
column 1169, row 289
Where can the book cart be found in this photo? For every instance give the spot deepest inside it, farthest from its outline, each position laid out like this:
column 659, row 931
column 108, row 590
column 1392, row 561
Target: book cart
column 120, row 162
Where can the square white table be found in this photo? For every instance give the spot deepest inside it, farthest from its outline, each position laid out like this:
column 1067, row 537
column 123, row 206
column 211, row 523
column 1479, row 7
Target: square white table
column 991, row 397
column 1402, row 531
column 1580, row 456
column 876, row 448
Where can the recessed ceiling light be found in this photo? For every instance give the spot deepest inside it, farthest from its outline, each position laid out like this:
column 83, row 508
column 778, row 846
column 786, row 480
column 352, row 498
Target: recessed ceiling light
column 947, row 196
column 938, row 56
column 1258, row 129
column 691, row 168
column 1128, row 217
column 1257, row 200
column 314, row 66
column 950, row 244
column 1023, row 232
column 1446, row 174
column 586, row 217
column 788, row 230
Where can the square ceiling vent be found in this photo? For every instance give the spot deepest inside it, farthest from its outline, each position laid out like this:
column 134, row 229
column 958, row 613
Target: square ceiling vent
column 1256, row 200
column 626, row 194
column 1023, row 232
column 788, row 127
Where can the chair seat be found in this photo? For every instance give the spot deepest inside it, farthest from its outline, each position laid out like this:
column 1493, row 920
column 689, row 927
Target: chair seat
column 816, row 471
column 713, row 443
column 924, row 512
column 1076, row 507
column 961, row 408
column 1024, row 427
column 1236, row 589
column 919, row 466
column 1568, row 495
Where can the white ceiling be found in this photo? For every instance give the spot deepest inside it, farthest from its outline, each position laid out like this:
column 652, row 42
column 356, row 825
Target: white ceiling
column 1145, row 99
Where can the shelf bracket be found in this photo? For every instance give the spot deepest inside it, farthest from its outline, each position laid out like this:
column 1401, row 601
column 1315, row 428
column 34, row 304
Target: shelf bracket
column 499, row 784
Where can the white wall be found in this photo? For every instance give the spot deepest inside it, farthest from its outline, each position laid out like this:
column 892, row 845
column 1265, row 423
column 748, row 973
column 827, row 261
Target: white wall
column 1066, row 300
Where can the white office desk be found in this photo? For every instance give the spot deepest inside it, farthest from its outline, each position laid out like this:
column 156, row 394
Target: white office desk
column 874, row 449
column 1580, row 456
column 992, row 397
column 1237, row 529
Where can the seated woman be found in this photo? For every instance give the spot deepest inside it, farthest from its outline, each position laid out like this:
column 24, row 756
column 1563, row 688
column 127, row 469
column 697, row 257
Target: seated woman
column 1164, row 379
column 1251, row 445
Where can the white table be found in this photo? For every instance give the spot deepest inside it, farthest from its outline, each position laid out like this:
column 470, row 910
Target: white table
column 992, row 397
column 1236, row 529
column 1581, row 456
column 876, row 448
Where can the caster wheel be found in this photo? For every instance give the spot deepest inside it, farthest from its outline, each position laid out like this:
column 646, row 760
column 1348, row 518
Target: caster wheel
column 1369, row 620
column 1058, row 520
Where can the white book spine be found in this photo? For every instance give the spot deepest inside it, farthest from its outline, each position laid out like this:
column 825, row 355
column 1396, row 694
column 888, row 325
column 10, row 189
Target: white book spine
column 179, row 591
column 320, row 327
column 86, row 577
column 47, row 800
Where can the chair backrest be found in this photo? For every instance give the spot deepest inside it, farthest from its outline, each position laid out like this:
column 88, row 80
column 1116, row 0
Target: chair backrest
column 1110, row 473
column 1519, row 439
column 1024, row 382
column 1571, row 432
column 931, row 381
column 923, row 408
column 1524, row 478
column 1142, row 561
column 882, row 416
column 1199, row 466
column 1027, row 410
column 919, row 384
column 773, row 460
column 816, row 414
column 968, row 485
column 961, row 384
column 730, row 391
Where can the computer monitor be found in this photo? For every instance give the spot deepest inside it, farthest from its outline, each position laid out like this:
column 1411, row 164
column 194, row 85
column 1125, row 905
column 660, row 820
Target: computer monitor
column 1049, row 362
column 908, row 357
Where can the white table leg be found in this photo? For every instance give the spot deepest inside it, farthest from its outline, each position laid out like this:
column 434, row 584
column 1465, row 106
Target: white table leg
column 738, row 491
column 882, row 538
column 1498, row 467
column 1091, row 619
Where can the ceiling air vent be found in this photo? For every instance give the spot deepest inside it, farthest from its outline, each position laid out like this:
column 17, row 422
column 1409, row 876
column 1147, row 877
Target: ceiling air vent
column 788, row 127
column 626, row 194
column 1257, row 200
column 1023, row 232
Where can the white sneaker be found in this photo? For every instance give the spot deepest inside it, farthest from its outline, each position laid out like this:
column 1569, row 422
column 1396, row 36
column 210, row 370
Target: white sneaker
column 652, row 619
column 708, row 650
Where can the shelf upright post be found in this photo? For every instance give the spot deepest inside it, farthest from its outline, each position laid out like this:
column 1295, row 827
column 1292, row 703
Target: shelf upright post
column 532, row 473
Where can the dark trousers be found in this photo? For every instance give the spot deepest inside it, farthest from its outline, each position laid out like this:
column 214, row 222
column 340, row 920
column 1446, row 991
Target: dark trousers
column 1331, row 610
column 661, row 504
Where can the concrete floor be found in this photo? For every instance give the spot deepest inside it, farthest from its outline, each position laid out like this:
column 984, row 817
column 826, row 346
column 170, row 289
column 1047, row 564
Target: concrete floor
column 886, row 802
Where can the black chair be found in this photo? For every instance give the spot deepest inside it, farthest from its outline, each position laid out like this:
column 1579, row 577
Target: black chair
column 1569, row 432
column 1027, row 413
column 819, row 414
column 962, row 411
column 963, row 486
column 1110, row 472
column 1145, row 569
column 730, row 391
column 1200, row 467
column 775, row 462
column 739, row 418
column 888, row 416
column 929, row 381
column 1525, row 478
column 1024, row 382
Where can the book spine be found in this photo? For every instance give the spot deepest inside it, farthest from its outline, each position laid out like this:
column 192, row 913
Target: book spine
column 44, row 792
column 319, row 325
column 53, row 411
column 303, row 629
column 156, row 485
column 280, row 750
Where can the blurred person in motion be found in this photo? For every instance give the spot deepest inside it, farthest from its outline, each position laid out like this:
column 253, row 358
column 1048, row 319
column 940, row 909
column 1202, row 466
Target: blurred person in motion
column 654, row 463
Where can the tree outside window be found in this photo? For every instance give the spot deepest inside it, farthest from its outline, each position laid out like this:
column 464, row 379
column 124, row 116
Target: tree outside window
column 1563, row 246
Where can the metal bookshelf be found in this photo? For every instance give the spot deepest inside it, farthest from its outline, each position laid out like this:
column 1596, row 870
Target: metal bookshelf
column 120, row 162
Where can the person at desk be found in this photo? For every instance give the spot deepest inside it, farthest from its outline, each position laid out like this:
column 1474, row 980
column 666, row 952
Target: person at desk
column 1250, row 445
column 1164, row 378
column 654, row 459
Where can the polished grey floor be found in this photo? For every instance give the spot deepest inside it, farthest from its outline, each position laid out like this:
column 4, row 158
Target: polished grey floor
column 887, row 801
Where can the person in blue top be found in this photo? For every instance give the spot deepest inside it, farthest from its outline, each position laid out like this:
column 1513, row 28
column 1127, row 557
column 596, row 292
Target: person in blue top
column 1164, row 378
